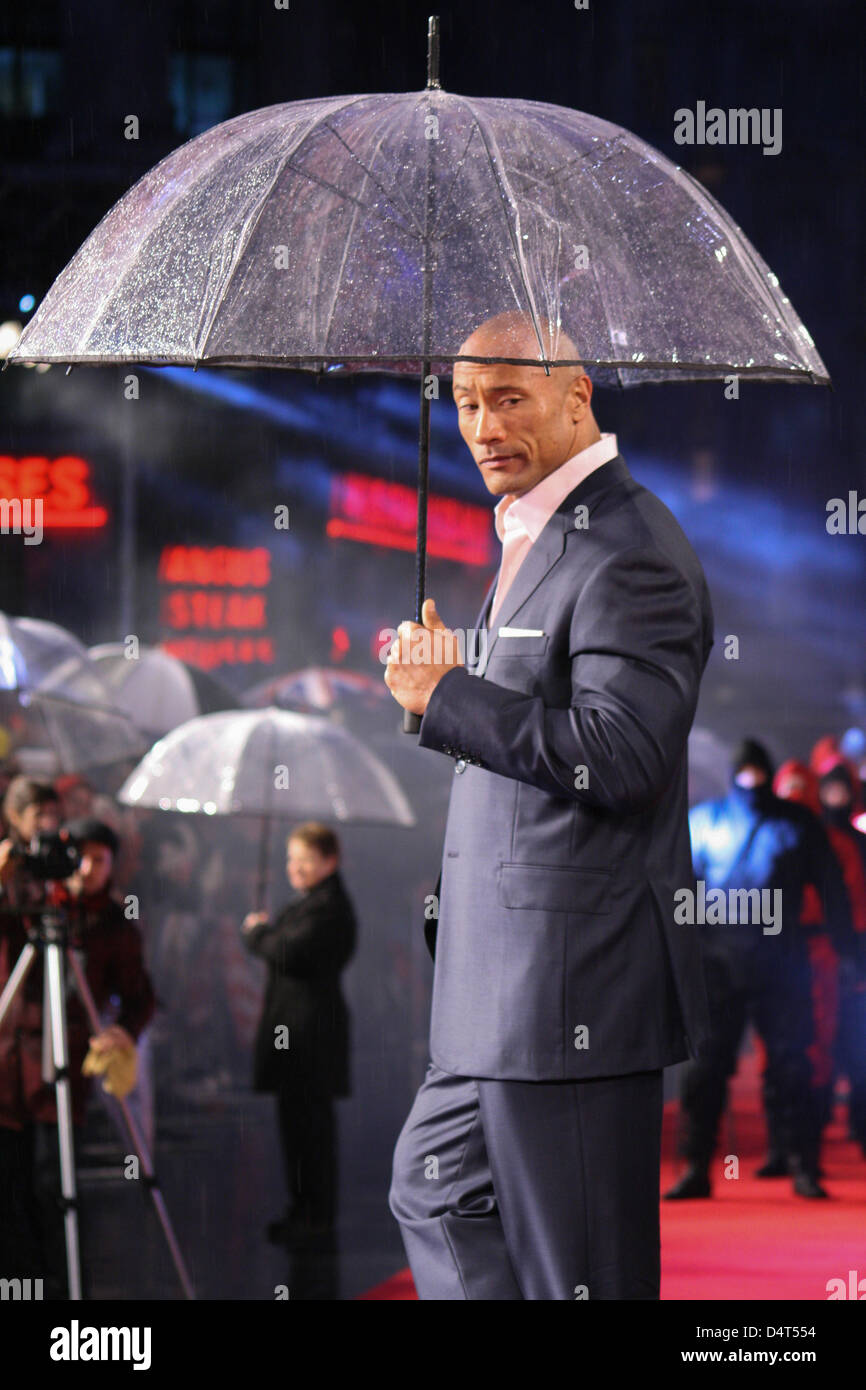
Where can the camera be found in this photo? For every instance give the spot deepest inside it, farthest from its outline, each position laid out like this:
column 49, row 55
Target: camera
column 50, row 857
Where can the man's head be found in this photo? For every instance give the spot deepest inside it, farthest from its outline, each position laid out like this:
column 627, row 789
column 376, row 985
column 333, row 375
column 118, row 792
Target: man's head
column 836, row 789
column 520, row 423
column 97, row 844
column 751, row 765
column 31, row 808
column 312, row 853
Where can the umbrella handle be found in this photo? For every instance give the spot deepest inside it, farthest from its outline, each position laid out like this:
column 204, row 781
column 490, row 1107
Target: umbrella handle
column 411, row 722
column 263, row 873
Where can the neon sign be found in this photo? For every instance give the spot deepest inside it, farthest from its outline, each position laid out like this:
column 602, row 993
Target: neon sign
column 61, row 484
column 220, row 625
column 372, row 510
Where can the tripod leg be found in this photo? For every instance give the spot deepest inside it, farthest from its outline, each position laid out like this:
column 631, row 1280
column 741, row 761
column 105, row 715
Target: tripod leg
column 17, row 978
column 136, row 1137
column 56, row 1001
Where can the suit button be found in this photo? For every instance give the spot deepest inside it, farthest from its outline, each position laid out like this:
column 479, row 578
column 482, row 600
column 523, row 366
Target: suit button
column 460, row 765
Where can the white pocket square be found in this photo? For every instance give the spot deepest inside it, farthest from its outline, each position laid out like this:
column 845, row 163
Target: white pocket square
column 521, row 632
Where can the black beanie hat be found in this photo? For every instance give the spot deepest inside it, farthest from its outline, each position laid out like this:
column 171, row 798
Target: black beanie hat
column 839, row 773
column 88, row 828
column 750, row 753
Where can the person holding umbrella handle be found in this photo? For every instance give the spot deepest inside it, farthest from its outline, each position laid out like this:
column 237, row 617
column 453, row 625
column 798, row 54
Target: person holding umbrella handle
column 563, row 983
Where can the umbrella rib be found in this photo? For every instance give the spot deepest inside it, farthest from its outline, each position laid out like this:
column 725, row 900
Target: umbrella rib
column 350, row 198
column 514, row 238
column 339, row 279
column 284, row 163
column 370, row 175
column 570, row 164
column 165, row 213
column 457, row 167
column 281, row 165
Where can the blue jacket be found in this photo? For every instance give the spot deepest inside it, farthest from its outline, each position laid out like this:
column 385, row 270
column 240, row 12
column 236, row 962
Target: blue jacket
column 752, row 839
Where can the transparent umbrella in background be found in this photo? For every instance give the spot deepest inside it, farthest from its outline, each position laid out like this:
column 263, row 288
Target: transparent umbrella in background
column 56, row 713
column 157, row 690
column 374, row 233
column 353, row 698
column 270, row 763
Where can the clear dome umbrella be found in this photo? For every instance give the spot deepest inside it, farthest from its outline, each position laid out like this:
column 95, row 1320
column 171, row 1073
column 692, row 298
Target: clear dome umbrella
column 270, row 763
column 56, row 714
column 375, row 233
column 156, row 689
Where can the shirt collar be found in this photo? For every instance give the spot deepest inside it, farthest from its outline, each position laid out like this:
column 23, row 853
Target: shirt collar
column 532, row 511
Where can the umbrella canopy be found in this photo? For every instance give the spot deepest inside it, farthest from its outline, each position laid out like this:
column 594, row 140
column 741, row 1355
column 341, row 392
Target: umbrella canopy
column 376, row 232
column 55, row 712
column 269, row 763
column 156, row 690
column 322, row 688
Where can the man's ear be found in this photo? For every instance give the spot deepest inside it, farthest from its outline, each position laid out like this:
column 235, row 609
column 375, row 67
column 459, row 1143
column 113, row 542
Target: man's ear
column 580, row 396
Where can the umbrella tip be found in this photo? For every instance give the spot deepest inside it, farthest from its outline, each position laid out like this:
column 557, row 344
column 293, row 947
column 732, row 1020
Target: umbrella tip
column 433, row 51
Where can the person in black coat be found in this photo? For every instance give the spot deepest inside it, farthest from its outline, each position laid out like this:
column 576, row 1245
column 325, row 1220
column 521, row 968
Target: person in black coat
column 302, row 1044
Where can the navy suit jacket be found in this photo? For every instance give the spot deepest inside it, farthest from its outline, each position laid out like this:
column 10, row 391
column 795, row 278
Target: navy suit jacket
column 556, row 951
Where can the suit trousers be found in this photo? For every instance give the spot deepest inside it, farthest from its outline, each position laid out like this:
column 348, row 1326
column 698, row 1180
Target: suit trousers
column 531, row 1189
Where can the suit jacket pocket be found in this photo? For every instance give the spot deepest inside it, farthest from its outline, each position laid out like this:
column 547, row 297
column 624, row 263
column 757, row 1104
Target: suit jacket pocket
column 552, row 888
column 506, row 646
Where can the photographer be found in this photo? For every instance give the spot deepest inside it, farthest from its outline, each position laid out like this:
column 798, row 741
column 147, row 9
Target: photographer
column 31, row 1214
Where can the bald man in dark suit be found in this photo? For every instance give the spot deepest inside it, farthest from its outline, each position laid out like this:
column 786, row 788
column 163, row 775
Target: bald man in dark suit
column 529, row 1165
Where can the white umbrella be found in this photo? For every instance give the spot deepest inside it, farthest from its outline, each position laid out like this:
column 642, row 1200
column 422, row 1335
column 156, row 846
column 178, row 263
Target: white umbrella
column 157, row 690
column 269, row 763
column 57, row 713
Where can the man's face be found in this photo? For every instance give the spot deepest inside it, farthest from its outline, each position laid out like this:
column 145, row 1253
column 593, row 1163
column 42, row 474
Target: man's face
column 305, row 866
column 94, row 870
column 834, row 794
column 519, row 423
column 751, row 776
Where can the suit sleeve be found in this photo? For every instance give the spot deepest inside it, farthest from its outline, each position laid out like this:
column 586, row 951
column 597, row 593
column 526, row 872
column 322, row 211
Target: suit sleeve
column 636, row 654
column 305, row 941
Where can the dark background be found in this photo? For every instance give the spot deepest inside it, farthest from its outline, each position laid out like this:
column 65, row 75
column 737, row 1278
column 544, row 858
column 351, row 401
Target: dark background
column 203, row 458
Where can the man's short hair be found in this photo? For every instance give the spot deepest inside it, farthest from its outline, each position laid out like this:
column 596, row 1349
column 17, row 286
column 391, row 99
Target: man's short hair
column 316, row 835
column 23, row 792
column 88, row 830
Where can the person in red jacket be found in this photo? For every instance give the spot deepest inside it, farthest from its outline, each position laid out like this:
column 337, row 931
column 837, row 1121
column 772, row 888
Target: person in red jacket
column 842, row 810
column 795, row 781
column 31, row 1217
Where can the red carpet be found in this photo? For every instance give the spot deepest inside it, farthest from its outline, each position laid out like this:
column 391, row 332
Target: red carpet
column 754, row 1239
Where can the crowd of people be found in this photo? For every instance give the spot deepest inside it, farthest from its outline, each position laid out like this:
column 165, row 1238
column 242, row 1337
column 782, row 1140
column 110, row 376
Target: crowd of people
column 793, row 837
column 147, row 905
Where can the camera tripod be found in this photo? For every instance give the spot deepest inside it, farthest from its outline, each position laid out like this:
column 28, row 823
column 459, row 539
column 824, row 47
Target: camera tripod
column 51, row 936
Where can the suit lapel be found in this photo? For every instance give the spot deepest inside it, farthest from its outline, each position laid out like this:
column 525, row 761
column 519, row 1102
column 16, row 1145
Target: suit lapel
column 476, row 655
column 536, row 564
column 539, row 559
